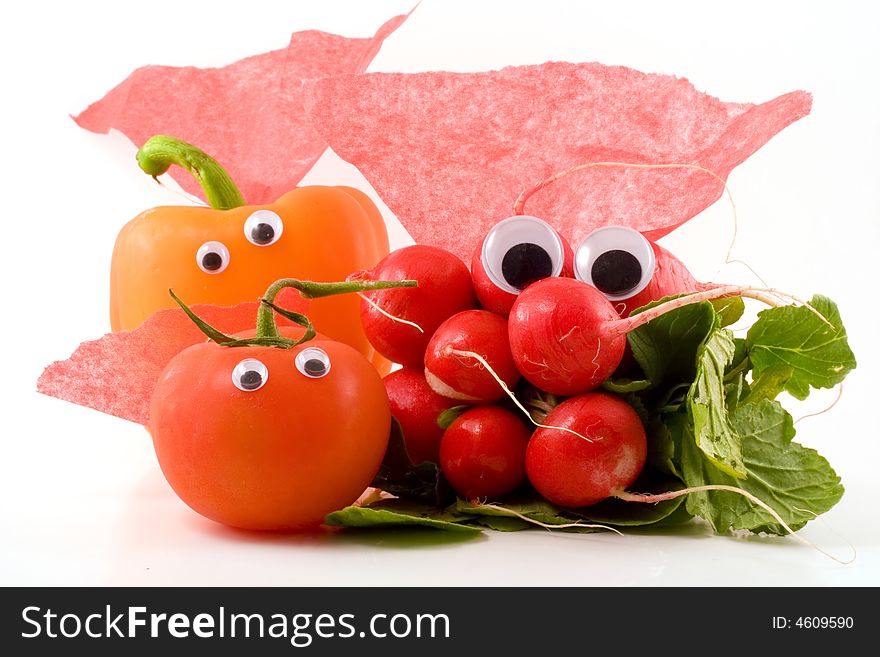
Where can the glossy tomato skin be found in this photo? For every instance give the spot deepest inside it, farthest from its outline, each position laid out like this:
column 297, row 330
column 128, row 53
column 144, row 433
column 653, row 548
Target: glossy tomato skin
column 572, row 472
column 483, row 453
column 277, row 458
column 416, row 407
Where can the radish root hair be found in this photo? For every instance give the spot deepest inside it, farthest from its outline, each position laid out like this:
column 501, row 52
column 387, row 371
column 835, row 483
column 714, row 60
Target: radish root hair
column 646, row 498
column 389, row 315
column 833, row 531
column 627, row 324
column 567, row 525
column 519, row 205
column 363, row 274
column 827, row 408
column 482, row 361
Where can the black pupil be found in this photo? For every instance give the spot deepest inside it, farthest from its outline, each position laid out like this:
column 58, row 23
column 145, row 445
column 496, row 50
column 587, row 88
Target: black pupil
column 616, row 272
column 262, row 233
column 524, row 264
column 251, row 380
column 315, row 367
column 212, row 261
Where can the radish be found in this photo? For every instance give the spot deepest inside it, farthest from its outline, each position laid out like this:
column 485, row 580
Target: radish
column 467, row 357
column 564, row 336
column 572, row 472
column 666, row 275
column 630, row 270
column 416, row 407
column 400, row 325
column 483, row 452
column 514, row 254
column 567, row 338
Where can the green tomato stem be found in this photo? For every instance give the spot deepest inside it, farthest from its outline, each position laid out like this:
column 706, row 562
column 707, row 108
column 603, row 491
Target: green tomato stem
column 161, row 151
column 266, row 325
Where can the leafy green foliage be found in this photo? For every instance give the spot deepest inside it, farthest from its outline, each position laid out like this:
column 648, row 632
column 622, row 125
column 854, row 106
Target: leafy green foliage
column 397, row 515
column 629, row 514
column 664, row 347
column 713, row 433
column 624, row 386
column 815, row 348
column 769, row 383
column 540, row 512
column 729, row 309
column 708, row 403
column 793, row 480
column 399, row 476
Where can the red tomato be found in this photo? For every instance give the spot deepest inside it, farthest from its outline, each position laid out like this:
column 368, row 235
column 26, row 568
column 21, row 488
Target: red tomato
column 269, row 438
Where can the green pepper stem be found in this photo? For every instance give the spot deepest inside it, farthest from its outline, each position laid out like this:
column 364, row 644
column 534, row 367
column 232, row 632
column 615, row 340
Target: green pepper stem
column 161, row 151
column 266, row 326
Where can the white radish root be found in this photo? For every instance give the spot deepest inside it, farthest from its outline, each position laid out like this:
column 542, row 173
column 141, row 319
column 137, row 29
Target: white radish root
column 482, row 361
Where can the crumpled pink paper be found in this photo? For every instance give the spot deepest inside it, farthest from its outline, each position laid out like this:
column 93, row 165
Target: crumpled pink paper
column 450, row 152
column 247, row 115
column 117, row 373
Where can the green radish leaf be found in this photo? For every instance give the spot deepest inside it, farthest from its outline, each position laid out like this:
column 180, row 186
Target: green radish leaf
column 793, row 480
column 663, row 432
column 735, row 391
column 636, row 514
column 769, row 383
column 730, row 309
column 678, row 517
column 817, row 351
column 536, row 509
column 502, row 523
column 449, row 416
column 739, row 364
column 399, row 515
column 399, row 476
column 624, row 386
column 666, row 348
column 713, row 433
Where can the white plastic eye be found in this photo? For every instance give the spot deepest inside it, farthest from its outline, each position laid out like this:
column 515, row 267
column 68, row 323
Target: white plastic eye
column 616, row 260
column 212, row 257
column 249, row 375
column 263, row 228
column 313, row 362
column 521, row 250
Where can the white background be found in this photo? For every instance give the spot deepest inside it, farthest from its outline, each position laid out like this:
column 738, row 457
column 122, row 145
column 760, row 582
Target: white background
column 83, row 500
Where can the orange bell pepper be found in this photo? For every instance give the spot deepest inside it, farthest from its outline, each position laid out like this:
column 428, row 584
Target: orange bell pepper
column 232, row 252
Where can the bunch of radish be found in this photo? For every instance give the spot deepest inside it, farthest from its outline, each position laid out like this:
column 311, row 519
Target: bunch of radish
column 529, row 308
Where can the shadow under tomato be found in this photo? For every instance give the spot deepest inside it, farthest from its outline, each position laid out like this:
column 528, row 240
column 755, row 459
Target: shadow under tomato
column 379, row 537
column 157, row 518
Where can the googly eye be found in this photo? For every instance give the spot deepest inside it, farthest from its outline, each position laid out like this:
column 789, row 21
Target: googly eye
column 212, row 257
column 521, row 250
column 249, row 375
column 313, row 362
column 616, row 260
column 263, row 228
